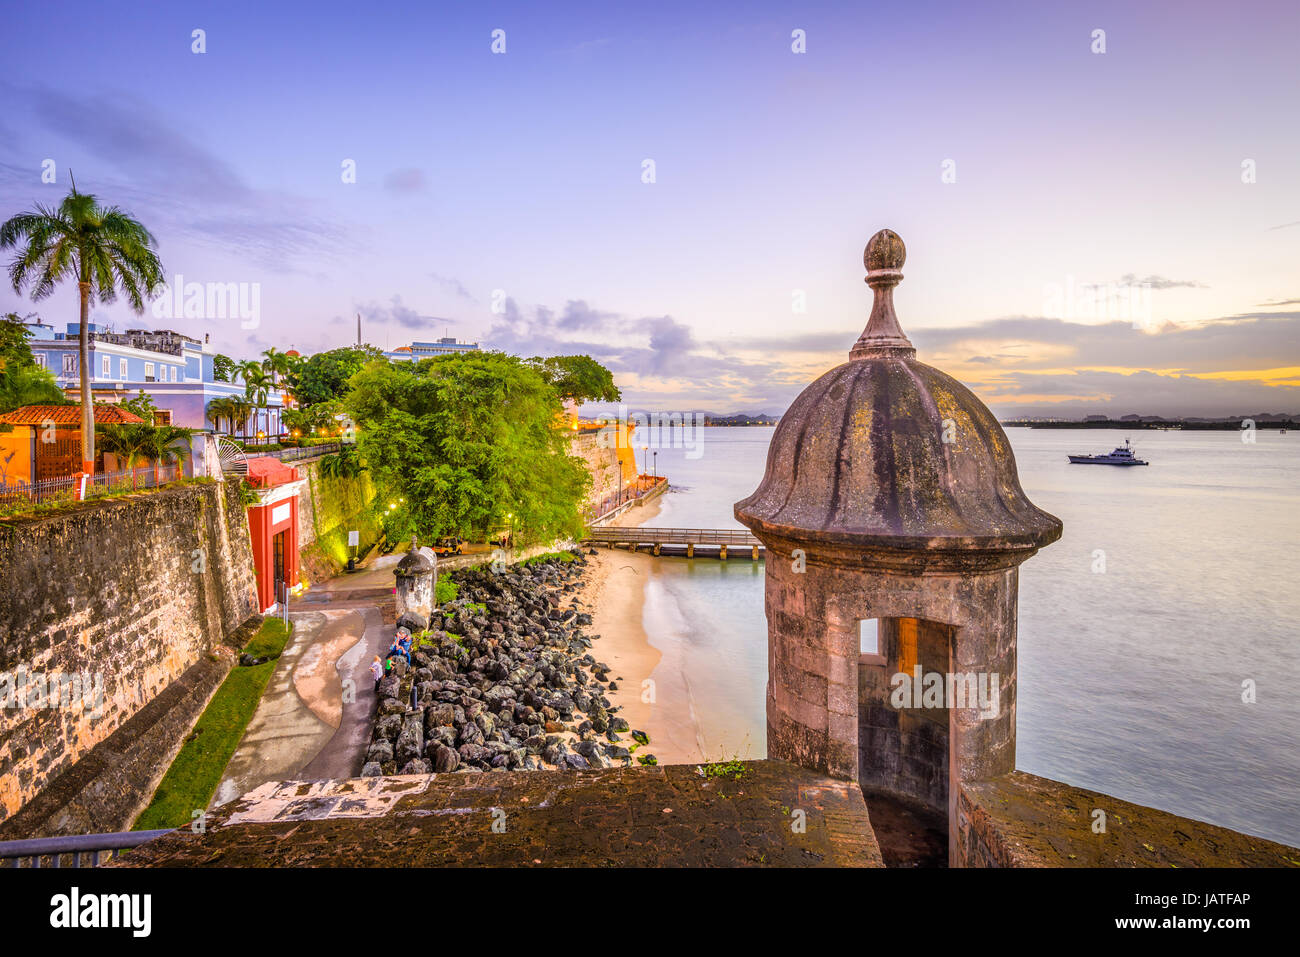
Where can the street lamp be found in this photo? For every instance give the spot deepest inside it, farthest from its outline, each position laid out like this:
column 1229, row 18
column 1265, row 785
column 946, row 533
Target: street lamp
column 656, row 467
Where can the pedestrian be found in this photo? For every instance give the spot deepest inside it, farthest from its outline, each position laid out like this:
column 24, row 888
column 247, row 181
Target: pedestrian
column 377, row 671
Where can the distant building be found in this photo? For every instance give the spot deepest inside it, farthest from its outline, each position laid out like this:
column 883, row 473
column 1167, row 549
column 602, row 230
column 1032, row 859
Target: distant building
column 174, row 369
column 424, row 350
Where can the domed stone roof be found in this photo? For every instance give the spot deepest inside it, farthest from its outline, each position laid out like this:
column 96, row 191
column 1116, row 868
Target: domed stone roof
column 886, row 451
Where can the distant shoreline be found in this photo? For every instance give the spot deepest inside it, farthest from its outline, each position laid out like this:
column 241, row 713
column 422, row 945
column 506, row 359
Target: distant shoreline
column 1233, row 425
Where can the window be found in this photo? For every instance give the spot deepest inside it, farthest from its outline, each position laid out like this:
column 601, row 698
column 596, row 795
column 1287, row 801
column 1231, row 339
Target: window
column 148, row 372
column 868, row 637
column 69, row 364
column 162, row 417
column 108, row 367
column 121, row 369
column 40, row 358
column 173, row 373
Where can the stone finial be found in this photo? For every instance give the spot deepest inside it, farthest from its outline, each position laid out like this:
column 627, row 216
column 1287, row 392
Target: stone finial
column 883, row 337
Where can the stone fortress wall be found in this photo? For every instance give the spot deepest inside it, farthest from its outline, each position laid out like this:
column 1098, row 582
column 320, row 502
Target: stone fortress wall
column 127, row 595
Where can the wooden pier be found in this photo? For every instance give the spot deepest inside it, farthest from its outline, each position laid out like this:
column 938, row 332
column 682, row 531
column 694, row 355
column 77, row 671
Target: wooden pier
column 728, row 542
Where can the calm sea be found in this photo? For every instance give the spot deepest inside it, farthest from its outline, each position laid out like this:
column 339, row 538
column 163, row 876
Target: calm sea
column 1171, row 586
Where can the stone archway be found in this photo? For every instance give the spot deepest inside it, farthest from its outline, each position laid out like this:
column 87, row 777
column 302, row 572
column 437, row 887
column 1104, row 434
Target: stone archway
column 904, row 736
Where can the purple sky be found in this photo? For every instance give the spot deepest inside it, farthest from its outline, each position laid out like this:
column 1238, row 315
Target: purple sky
column 499, row 197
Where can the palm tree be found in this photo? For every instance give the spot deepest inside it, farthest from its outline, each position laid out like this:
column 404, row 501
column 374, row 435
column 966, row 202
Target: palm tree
column 239, row 408
column 161, row 445
column 276, row 363
column 129, row 442
column 216, row 409
column 257, row 384
column 102, row 249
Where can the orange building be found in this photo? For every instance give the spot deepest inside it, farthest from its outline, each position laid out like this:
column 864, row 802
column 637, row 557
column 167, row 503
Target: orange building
column 39, row 442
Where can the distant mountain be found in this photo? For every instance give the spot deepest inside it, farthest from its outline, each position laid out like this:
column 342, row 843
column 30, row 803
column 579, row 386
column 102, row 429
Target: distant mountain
column 741, row 418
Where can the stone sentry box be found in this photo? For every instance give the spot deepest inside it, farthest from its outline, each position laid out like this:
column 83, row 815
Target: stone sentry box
column 891, row 493
column 416, row 580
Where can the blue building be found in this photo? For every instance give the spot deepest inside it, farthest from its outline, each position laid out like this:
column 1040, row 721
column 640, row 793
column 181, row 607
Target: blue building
column 176, row 370
column 424, row 350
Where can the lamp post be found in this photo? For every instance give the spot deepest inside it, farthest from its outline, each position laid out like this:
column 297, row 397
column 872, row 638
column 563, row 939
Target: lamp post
column 644, row 462
column 656, row 467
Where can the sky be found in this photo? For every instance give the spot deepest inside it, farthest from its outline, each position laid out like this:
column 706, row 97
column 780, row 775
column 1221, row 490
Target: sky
column 1095, row 222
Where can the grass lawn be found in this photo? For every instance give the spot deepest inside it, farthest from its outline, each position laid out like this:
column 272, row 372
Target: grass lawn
column 192, row 779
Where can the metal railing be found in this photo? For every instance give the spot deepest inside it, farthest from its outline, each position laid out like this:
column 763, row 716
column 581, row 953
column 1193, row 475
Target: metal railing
column 303, row 452
column 64, row 488
column 643, row 486
column 73, row 848
column 641, row 535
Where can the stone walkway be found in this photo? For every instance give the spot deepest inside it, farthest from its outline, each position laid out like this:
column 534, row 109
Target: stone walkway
column 774, row 814
column 306, row 727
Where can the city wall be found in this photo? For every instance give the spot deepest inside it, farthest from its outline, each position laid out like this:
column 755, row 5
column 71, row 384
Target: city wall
column 104, row 606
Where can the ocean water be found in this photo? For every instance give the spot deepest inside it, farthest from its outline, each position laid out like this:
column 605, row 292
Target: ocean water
column 1171, row 586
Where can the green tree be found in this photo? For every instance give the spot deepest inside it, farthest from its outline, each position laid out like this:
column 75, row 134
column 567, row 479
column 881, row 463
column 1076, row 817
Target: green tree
column 164, row 445
column 468, row 440
column 223, row 368
column 257, row 384
column 28, row 385
column 14, row 351
column 276, row 363
column 217, row 410
column 22, row 381
column 142, row 405
column 102, row 249
column 580, row 378
column 240, row 410
column 324, row 376
column 130, row 442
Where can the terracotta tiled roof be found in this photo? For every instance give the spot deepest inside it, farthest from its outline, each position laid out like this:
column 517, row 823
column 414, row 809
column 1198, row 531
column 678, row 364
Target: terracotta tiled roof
column 265, row 472
column 68, row 415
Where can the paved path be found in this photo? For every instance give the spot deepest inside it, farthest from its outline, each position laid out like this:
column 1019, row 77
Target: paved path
column 313, row 720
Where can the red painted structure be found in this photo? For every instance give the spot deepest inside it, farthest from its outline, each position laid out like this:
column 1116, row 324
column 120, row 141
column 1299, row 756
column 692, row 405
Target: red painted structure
column 273, row 524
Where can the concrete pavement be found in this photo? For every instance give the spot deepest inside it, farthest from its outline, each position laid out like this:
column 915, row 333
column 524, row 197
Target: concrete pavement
column 313, row 721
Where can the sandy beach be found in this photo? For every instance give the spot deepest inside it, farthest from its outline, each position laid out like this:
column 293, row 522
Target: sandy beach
column 652, row 690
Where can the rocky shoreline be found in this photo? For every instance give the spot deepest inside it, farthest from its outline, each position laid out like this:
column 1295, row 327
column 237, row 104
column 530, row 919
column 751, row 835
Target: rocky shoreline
column 503, row 679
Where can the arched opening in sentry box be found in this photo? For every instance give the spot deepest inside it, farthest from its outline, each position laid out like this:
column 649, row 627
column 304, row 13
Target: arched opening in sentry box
column 904, row 736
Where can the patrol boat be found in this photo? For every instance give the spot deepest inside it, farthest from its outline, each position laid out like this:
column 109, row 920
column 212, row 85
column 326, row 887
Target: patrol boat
column 1121, row 456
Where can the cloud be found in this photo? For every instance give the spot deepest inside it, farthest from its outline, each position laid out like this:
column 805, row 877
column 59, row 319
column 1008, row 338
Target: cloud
column 144, row 164
column 1155, row 282
column 452, row 285
column 1016, row 363
column 1094, row 392
column 656, row 360
column 409, row 180
column 398, row 313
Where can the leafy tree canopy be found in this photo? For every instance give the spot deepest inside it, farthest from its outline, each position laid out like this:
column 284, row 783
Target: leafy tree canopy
column 142, row 405
column 223, row 368
column 580, row 378
column 325, row 375
column 472, row 442
column 22, row 381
